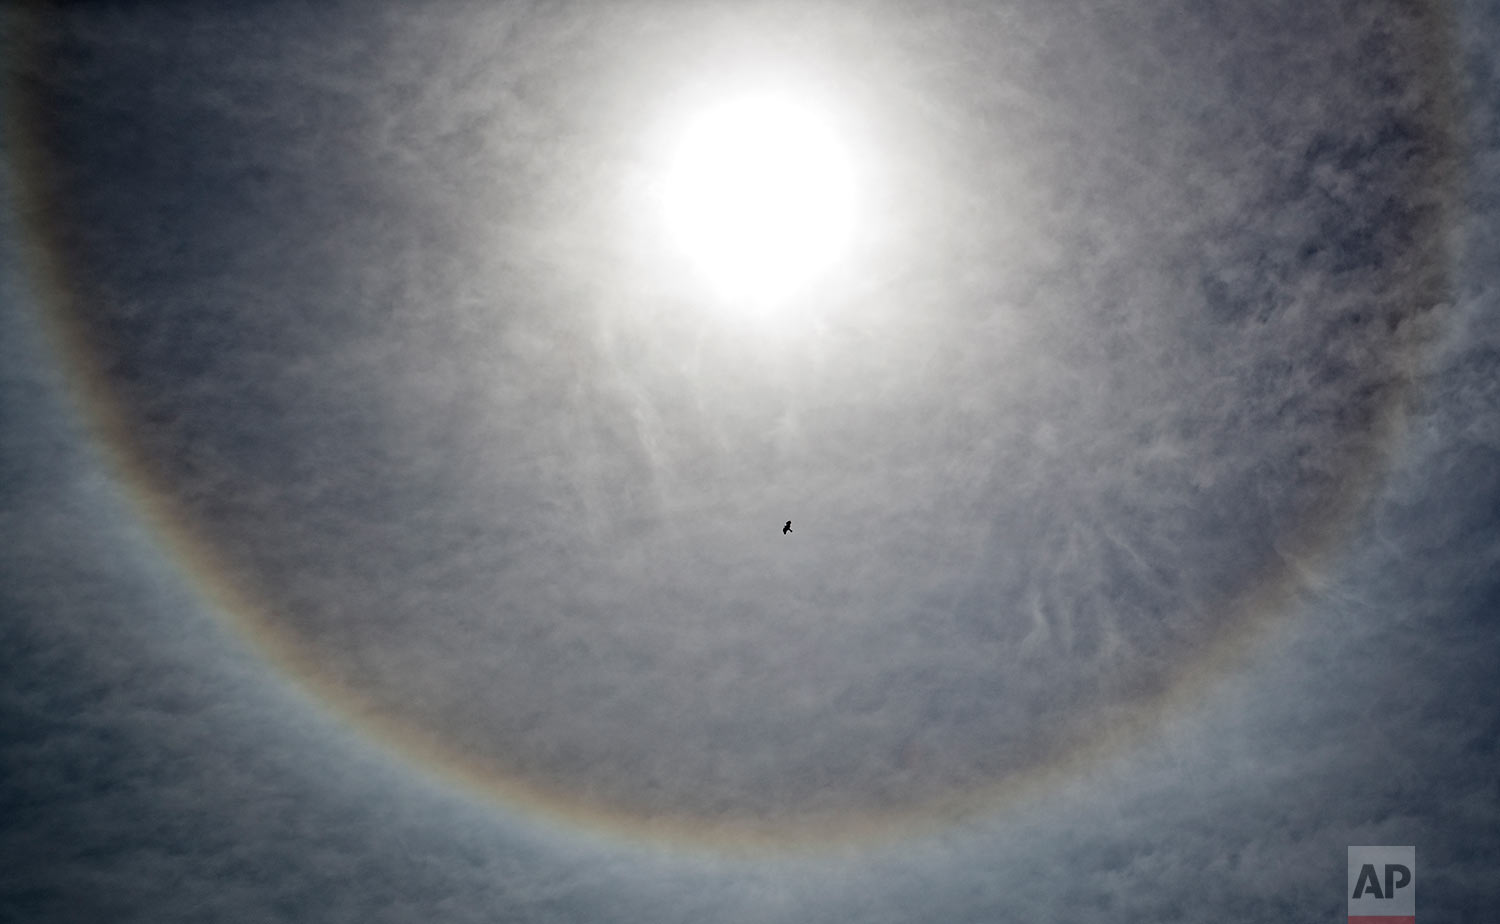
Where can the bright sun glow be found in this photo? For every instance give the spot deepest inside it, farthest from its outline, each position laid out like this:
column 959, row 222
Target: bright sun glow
column 759, row 197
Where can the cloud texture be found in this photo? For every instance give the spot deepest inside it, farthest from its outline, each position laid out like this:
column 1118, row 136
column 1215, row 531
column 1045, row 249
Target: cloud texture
column 1161, row 373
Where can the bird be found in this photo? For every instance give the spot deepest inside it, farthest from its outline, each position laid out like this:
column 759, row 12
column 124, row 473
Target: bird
column 787, row 528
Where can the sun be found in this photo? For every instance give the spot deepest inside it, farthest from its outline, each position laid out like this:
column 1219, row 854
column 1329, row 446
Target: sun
column 758, row 198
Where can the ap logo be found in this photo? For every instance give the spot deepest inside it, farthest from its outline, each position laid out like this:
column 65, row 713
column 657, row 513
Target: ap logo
column 1382, row 885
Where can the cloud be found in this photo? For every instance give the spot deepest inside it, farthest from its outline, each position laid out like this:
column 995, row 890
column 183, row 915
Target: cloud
column 1162, row 359
column 519, row 506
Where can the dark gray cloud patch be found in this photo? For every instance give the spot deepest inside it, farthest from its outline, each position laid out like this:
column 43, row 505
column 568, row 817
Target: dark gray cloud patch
column 1145, row 293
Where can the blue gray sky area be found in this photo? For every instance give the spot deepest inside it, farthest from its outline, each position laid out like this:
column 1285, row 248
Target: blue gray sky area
column 393, row 515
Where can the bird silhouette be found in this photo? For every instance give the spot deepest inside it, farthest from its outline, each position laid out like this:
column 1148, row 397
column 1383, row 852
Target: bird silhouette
column 787, row 528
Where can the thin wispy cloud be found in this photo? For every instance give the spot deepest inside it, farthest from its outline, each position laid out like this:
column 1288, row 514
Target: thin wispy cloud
column 1156, row 365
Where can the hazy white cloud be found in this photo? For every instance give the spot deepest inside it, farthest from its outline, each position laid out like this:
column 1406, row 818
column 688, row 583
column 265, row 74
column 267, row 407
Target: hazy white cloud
column 1118, row 364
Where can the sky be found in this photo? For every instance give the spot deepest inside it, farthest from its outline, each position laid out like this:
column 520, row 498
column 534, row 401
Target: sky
column 393, row 485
